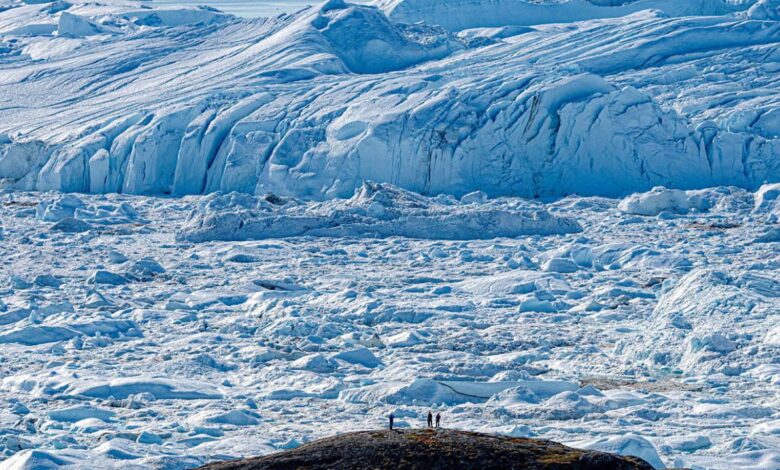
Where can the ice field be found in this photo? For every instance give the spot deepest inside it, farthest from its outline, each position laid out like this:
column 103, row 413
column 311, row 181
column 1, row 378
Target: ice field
column 137, row 334
column 225, row 236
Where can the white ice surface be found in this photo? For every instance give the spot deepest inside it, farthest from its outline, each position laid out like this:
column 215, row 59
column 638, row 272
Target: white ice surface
column 660, row 341
column 376, row 210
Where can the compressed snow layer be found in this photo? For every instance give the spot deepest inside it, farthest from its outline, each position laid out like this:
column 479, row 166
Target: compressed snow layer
column 189, row 100
column 648, row 335
column 250, row 8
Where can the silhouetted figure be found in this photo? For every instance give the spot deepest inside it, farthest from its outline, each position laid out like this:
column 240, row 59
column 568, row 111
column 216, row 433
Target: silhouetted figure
column 392, row 418
column 438, row 420
column 430, row 419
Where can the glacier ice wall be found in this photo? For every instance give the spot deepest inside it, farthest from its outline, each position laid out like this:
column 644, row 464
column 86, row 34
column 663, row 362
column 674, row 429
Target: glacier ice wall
column 118, row 98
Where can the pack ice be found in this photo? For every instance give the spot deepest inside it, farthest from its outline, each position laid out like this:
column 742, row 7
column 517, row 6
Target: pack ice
column 170, row 332
column 431, row 96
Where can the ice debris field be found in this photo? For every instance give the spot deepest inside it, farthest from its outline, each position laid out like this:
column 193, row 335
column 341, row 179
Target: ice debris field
column 223, row 237
column 143, row 332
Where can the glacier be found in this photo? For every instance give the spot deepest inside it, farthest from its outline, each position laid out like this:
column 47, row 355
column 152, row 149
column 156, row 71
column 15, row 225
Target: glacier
column 126, row 97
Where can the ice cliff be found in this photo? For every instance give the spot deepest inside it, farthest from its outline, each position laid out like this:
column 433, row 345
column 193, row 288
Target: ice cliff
column 431, row 96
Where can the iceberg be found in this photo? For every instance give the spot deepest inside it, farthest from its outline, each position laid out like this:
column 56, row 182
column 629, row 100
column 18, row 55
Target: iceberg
column 376, row 210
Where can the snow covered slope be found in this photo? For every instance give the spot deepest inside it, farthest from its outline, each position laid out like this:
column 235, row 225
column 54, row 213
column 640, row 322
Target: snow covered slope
column 107, row 97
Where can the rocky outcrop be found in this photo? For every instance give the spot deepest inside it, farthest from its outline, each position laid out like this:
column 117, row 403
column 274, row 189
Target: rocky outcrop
column 431, row 450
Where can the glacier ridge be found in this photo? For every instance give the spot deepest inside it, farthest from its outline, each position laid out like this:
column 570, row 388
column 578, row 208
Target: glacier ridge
column 119, row 97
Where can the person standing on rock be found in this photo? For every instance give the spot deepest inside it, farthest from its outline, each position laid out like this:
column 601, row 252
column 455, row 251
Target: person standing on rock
column 392, row 418
column 430, row 419
column 438, row 419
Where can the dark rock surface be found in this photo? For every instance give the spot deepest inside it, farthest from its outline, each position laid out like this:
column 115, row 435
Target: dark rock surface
column 433, row 450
